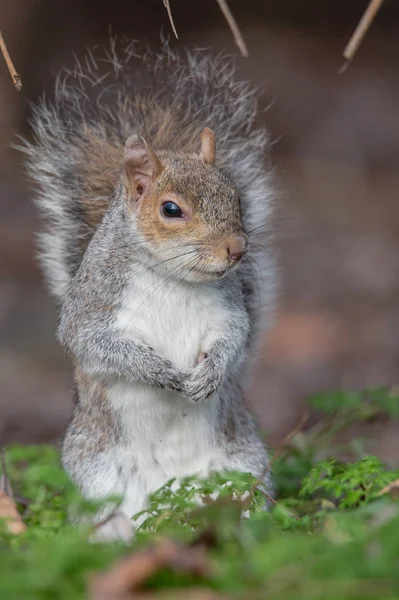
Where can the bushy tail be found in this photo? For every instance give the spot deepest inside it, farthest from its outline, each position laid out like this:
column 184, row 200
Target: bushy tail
column 76, row 154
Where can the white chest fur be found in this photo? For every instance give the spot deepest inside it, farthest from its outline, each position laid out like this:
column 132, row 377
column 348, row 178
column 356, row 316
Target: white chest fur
column 176, row 320
column 165, row 436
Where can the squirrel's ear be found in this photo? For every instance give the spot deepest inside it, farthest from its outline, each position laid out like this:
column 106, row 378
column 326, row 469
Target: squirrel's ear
column 208, row 146
column 142, row 165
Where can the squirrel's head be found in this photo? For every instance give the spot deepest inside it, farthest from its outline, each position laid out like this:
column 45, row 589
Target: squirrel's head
column 187, row 212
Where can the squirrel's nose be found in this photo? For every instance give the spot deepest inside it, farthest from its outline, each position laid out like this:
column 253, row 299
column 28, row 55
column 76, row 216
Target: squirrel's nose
column 236, row 248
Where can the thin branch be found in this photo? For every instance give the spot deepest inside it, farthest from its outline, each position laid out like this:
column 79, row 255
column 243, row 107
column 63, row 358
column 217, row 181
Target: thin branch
column 268, row 497
column 303, row 420
column 167, row 6
column 239, row 40
column 360, row 31
column 14, row 75
column 5, row 485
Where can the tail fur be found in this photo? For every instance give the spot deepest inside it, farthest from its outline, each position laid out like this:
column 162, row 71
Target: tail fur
column 76, row 154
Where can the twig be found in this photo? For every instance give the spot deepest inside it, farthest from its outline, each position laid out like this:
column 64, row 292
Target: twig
column 5, row 485
column 22, row 501
column 167, row 6
column 360, row 31
column 268, row 497
column 283, row 444
column 239, row 40
column 108, row 517
column 14, row 75
column 302, row 422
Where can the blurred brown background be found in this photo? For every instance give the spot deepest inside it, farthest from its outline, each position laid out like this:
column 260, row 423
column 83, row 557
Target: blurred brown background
column 336, row 155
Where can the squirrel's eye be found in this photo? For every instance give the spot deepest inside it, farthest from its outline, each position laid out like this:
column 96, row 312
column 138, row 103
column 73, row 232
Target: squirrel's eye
column 171, row 210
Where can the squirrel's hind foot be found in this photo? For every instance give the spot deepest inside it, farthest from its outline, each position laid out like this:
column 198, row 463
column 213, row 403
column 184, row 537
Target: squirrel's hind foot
column 118, row 527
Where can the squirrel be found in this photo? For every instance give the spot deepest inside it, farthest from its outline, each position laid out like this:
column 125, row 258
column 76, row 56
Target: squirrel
column 152, row 184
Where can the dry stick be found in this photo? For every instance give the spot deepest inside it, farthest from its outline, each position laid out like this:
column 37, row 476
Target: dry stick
column 239, row 40
column 14, row 75
column 167, row 6
column 5, row 485
column 279, row 450
column 302, row 422
column 360, row 32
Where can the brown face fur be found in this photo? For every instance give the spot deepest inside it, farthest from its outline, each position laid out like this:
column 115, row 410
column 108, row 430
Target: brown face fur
column 210, row 229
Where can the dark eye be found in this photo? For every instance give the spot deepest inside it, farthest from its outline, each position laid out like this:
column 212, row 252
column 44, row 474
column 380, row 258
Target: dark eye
column 171, row 210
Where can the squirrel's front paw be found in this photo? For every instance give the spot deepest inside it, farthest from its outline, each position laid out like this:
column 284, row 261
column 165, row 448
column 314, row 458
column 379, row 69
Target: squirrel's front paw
column 172, row 380
column 158, row 371
column 203, row 380
column 166, row 376
column 169, row 379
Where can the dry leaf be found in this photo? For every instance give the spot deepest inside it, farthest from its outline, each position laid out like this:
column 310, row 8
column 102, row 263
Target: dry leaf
column 194, row 593
column 9, row 512
column 392, row 488
column 129, row 575
column 8, row 509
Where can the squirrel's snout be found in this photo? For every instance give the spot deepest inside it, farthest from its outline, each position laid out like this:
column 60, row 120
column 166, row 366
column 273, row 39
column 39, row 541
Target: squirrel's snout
column 236, row 247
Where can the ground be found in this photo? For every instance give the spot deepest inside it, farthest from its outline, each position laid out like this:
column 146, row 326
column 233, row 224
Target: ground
column 334, row 148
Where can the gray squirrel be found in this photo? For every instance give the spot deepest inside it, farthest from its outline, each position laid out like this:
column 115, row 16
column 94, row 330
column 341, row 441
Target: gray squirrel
column 153, row 185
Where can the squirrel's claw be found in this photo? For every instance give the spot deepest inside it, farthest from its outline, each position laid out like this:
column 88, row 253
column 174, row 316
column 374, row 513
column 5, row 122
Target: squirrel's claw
column 202, row 381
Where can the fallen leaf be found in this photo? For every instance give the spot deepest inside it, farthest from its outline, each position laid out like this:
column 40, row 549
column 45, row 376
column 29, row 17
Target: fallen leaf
column 9, row 512
column 128, row 576
column 197, row 593
column 392, row 488
column 8, row 509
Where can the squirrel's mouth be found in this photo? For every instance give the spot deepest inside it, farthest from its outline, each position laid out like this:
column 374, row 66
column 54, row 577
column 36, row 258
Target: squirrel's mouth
column 213, row 274
column 219, row 273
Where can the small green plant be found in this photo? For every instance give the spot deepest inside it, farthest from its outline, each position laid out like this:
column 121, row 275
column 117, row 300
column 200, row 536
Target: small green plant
column 350, row 485
column 189, row 505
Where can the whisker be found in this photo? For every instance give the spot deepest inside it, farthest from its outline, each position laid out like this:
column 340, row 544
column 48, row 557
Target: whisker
column 256, row 245
column 193, row 282
column 272, row 232
column 164, row 281
column 277, row 220
column 158, row 264
column 251, row 262
column 178, row 283
column 266, row 226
